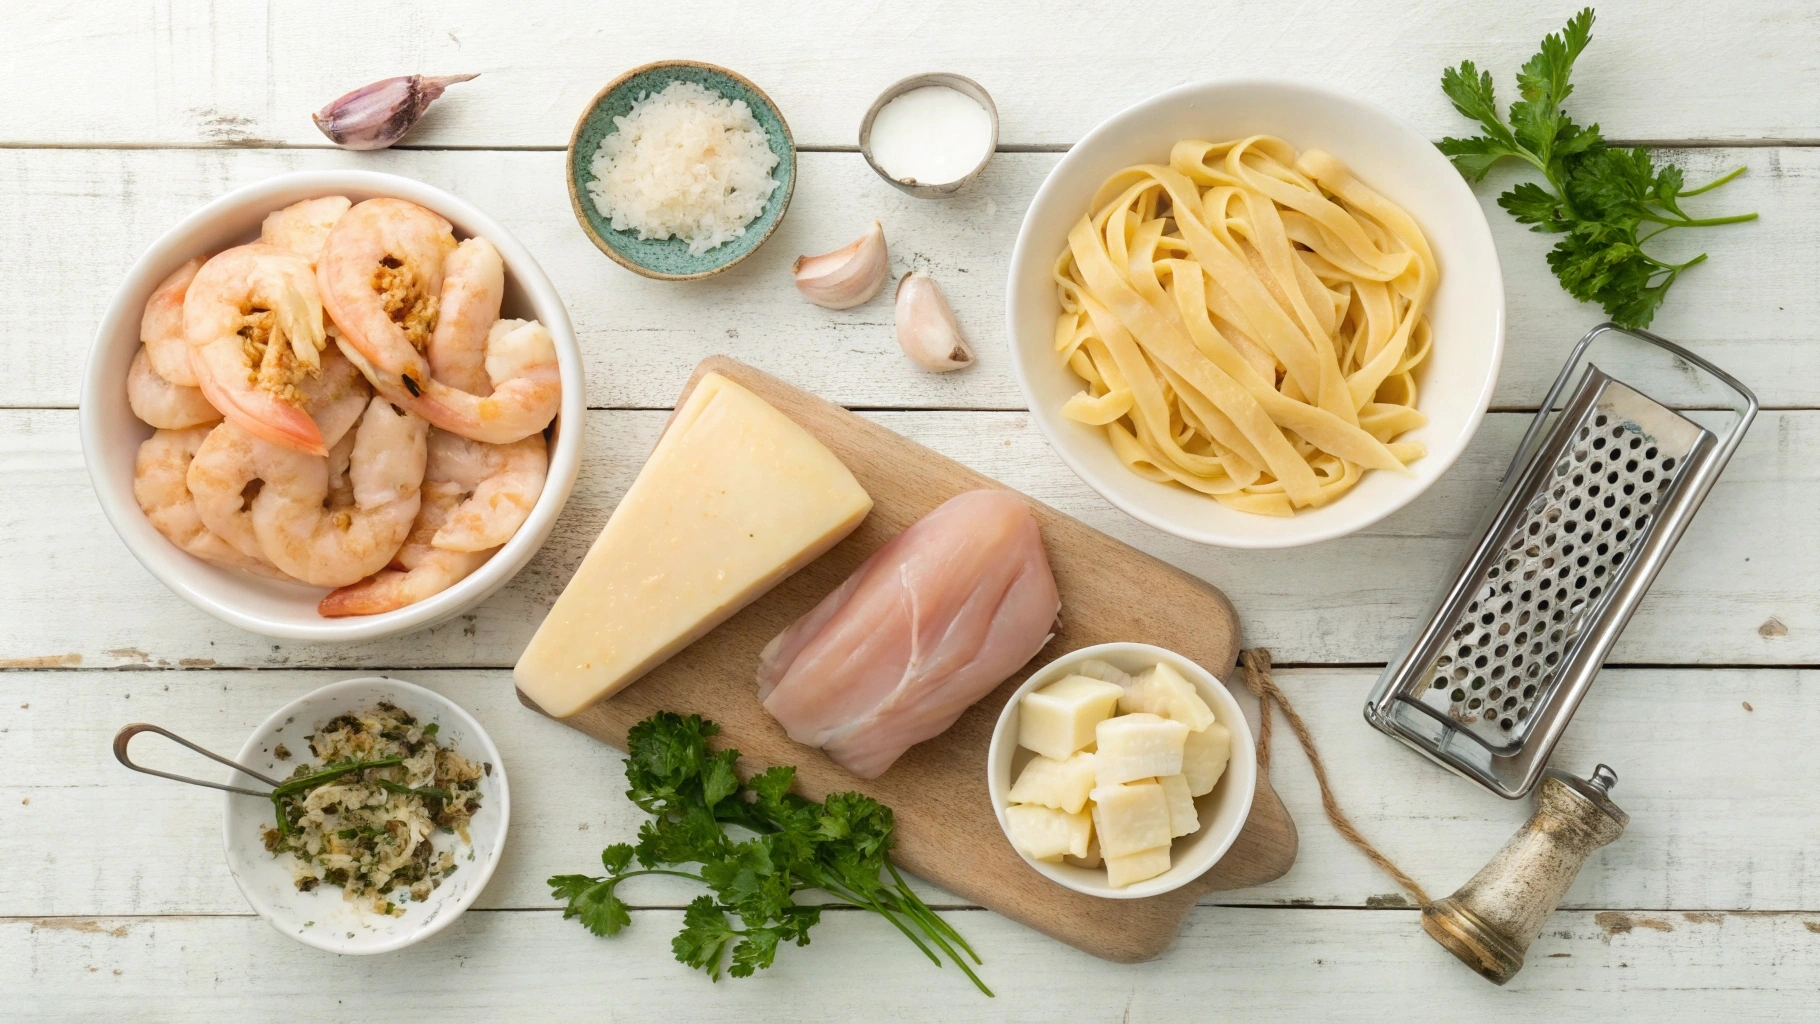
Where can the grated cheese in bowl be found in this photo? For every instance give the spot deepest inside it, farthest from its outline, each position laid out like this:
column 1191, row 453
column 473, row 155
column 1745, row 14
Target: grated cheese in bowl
column 686, row 163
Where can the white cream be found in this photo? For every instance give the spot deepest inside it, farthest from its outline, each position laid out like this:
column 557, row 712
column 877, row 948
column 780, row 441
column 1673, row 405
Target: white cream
column 931, row 136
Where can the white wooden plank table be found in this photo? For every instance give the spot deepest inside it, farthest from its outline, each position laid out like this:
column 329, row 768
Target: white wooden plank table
column 122, row 117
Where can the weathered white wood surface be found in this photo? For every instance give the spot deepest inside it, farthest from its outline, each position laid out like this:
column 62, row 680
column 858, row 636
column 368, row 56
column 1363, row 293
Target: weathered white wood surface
column 1231, row 964
column 1747, row 559
column 195, row 74
column 123, row 117
column 79, row 218
column 1672, row 735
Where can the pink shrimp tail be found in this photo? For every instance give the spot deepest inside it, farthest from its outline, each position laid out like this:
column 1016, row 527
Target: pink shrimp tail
column 266, row 418
column 371, row 596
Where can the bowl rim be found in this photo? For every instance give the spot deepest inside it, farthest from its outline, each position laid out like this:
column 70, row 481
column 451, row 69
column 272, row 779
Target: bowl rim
column 1198, row 674
column 575, row 201
column 959, row 83
column 249, row 751
column 171, row 248
column 1022, row 252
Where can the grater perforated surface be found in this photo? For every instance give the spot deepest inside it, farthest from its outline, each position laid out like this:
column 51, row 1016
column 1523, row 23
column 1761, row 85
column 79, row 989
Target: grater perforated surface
column 1555, row 563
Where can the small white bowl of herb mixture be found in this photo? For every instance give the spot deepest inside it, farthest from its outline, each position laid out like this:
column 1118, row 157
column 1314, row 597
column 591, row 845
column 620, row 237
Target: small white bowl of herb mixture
column 390, row 820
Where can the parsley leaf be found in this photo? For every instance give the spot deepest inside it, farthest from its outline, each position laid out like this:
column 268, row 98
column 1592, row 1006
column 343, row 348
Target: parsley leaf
column 784, row 843
column 704, row 935
column 592, row 900
column 1598, row 196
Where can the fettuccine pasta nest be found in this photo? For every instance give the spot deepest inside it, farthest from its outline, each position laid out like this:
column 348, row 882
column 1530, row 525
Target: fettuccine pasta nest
column 1248, row 322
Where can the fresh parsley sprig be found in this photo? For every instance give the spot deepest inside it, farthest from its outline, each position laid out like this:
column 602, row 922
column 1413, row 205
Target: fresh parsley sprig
column 789, row 844
column 1607, row 201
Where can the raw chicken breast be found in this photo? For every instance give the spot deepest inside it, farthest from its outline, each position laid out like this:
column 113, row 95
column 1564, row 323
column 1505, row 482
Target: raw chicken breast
column 930, row 623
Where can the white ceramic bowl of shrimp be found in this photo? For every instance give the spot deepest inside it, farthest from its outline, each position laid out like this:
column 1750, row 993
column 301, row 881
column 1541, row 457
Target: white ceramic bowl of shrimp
column 1222, row 811
column 111, row 434
column 323, row 917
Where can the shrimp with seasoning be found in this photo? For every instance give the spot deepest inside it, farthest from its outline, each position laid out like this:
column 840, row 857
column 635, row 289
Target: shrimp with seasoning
column 160, row 485
column 335, row 547
column 526, row 387
column 161, row 326
column 389, row 271
column 253, row 317
column 380, row 275
column 162, row 404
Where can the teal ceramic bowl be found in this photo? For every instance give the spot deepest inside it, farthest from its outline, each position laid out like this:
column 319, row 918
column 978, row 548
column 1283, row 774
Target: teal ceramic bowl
column 669, row 259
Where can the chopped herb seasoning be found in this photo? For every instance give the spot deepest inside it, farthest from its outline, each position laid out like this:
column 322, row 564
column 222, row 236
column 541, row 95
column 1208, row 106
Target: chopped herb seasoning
column 365, row 817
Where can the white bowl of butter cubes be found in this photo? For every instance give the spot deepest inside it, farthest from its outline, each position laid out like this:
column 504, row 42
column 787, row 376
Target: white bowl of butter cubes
column 1122, row 770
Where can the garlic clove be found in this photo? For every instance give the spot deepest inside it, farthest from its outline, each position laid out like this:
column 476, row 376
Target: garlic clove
column 847, row 276
column 377, row 115
column 926, row 329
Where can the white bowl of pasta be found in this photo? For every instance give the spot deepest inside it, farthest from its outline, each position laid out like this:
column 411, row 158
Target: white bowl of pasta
column 114, row 434
column 1298, row 357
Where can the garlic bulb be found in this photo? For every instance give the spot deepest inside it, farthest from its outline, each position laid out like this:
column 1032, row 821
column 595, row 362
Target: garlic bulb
column 377, row 115
column 926, row 330
column 847, row 276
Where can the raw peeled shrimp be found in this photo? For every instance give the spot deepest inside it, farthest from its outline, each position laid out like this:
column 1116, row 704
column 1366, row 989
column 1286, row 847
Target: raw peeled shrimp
column 160, row 484
column 161, row 326
column 254, row 322
column 303, row 227
column 527, row 387
column 333, row 547
column 498, row 483
column 162, row 404
column 473, row 286
column 420, row 569
column 380, row 275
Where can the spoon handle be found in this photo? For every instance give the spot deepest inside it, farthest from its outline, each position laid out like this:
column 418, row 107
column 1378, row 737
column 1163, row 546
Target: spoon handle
column 125, row 736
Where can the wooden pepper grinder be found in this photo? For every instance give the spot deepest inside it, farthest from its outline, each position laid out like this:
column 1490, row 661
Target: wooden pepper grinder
column 1491, row 921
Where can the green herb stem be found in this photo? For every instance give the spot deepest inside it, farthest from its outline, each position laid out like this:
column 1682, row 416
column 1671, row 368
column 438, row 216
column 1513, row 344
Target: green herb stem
column 1713, row 184
column 298, row 786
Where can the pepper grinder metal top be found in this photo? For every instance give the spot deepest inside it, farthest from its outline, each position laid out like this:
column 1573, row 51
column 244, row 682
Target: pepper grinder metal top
column 1491, row 921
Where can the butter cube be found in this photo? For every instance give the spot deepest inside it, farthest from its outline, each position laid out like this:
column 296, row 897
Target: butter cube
column 1046, row 833
column 1135, row 867
column 1204, row 758
column 1092, row 860
column 1059, row 719
column 1139, row 746
column 1130, row 817
column 1063, row 785
column 1183, row 818
column 1163, row 691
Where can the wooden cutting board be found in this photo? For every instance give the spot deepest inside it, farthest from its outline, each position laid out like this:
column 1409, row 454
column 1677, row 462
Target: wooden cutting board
column 946, row 831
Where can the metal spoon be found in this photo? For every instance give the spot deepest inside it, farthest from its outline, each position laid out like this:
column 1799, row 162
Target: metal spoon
column 125, row 736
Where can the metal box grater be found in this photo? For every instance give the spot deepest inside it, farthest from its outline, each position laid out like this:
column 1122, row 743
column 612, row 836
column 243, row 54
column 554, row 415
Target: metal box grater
column 1593, row 502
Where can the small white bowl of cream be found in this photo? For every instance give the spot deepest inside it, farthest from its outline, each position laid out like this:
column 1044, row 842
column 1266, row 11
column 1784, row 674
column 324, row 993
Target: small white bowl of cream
column 929, row 135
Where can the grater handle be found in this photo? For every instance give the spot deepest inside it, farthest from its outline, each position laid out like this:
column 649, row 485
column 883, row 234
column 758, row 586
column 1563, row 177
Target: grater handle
column 1747, row 409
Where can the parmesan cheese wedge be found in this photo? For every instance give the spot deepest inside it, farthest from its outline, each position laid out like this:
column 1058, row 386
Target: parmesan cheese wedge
column 735, row 497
